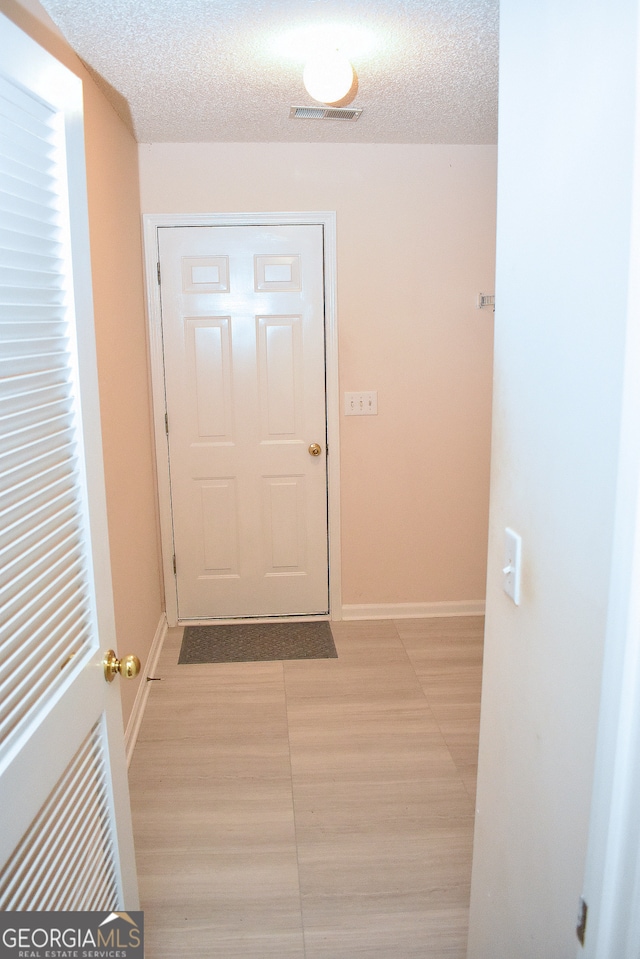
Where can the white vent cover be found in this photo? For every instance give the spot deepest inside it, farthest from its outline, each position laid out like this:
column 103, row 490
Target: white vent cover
column 486, row 301
column 323, row 113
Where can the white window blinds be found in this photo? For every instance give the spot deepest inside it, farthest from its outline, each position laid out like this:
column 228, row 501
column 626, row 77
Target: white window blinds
column 45, row 605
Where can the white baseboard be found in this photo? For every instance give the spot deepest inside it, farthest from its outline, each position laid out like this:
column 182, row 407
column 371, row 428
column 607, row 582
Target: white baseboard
column 465, row 607
column 140, row 702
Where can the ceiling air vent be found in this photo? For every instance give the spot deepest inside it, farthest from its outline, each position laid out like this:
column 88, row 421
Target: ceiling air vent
column 323, row 113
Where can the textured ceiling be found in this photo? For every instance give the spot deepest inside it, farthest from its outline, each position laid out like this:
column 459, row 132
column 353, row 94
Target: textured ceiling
column 229, row 70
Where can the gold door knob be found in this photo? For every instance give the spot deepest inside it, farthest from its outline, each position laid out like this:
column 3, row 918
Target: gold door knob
column 315, row 450
column 128, row 666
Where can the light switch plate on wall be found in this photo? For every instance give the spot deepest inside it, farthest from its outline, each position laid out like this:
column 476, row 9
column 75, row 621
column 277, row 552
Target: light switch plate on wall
column 512, row 565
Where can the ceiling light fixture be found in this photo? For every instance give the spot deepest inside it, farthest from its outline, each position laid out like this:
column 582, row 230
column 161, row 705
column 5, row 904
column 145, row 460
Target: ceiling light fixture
column 328, row 76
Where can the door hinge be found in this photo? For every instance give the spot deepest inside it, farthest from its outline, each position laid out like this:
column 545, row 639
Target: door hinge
column 158, row 271
column 581, row 928
column 174, row 565
column 166, row 423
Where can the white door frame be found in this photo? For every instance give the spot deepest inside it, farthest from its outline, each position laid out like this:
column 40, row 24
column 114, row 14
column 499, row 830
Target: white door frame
column 612, row 873
column 326, row 219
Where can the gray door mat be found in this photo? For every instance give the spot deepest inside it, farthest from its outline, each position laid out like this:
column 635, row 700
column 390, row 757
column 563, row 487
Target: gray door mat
column 256, row 642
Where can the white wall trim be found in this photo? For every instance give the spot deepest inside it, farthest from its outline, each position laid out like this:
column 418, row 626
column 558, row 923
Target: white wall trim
column 140, row 702
column 464, row 607
column 326, row 219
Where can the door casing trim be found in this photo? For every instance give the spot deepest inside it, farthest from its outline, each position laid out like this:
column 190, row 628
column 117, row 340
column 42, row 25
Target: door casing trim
column 327, row 219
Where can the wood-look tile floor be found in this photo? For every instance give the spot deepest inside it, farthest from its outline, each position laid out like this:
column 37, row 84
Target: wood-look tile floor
column 318, row 809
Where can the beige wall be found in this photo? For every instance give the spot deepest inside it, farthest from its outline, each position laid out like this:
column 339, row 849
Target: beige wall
column 112, row 182
column 416, row 233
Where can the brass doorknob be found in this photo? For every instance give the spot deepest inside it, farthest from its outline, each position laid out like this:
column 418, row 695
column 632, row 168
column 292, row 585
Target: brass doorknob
column 315, row 450
column 128, row 666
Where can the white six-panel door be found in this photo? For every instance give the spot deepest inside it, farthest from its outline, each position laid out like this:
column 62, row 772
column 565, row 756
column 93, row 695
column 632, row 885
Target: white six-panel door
column 243, row 343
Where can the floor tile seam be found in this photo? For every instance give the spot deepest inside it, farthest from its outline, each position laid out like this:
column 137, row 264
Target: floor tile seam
column 425, row 841
column 406, row 664
column 293, row 808
column 194, row 731
column 397, row 848
column 382, row 895
column 232, row 778
column 199, row 685
column 230, row 748
column 273, row 858
column 343, row 666
column 225, row 826
column 180, row 744
column 299, row 842
column 428, row 704
column 454, row 776
column 342, row 786
column 439, row 723
column 451, row 754
column 443, row 727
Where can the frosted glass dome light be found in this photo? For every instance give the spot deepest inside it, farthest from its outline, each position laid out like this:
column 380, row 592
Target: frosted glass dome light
column 328, row 76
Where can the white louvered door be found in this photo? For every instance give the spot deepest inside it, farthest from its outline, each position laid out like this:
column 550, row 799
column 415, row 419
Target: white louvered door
column 65, row 842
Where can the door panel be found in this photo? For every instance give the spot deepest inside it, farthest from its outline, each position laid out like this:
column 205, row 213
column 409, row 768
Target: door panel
column 243, row 340
column 280, row 377
column 284, row 525
column 220, row 527
column 210, row 361
column 62, row 764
